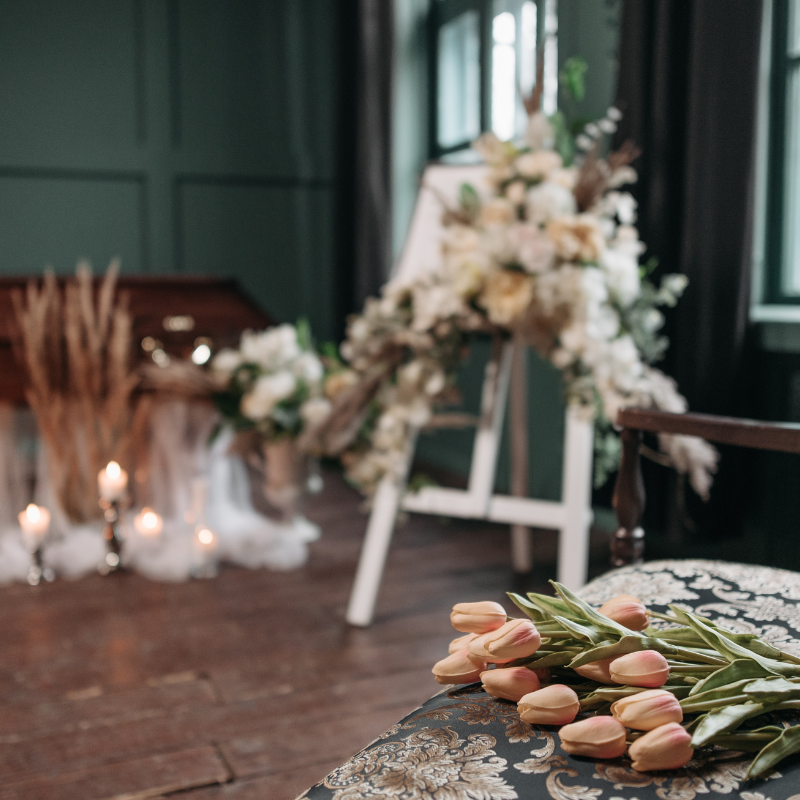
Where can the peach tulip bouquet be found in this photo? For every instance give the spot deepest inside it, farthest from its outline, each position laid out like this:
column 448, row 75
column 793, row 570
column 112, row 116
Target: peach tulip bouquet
column 616, row 683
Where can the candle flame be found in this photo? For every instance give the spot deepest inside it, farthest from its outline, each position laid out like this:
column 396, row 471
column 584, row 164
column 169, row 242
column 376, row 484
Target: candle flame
column 150, row 519
column 33, row 513
column 205, row 536
column 113, row 470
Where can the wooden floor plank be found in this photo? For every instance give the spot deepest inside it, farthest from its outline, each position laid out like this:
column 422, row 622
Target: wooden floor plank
column 126, row 780
column 252, row 679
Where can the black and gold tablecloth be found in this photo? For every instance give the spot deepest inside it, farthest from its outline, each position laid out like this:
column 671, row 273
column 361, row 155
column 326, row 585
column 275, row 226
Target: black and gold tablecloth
column 464, row 745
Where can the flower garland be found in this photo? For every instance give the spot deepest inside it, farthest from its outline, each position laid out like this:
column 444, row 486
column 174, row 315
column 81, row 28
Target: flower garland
column 633, row 683
column 544, row 251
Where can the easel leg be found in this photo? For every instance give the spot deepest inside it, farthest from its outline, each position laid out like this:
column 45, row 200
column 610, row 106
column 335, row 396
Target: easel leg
column 521, row 539
column 373, row 553
column 573, row 541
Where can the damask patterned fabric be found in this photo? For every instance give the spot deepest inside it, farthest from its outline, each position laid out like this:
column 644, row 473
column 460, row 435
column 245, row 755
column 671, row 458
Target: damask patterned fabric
column 464, row 745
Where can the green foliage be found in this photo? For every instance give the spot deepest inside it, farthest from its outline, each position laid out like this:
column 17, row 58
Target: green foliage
column 572, row 77
column 469, row 200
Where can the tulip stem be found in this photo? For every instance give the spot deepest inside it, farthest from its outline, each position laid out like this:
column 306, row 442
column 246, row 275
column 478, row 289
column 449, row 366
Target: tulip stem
column 665, row 617
column 691, row 708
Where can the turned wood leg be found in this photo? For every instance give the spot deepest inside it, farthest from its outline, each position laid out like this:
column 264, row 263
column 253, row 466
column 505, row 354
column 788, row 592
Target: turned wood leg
column 627, row 546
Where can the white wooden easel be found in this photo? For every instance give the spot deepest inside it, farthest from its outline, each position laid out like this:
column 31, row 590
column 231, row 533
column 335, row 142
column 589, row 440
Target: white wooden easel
column 571, row 517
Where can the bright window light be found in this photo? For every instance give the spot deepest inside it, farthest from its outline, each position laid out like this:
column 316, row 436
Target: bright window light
column 504, row 74
column 550, row 89
column 527, row 66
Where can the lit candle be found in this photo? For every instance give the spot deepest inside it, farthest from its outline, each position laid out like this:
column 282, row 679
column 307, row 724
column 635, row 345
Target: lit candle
column 148, row 523
column 206, row 540
column 205, row 546
column 112, row 482
column 34, row 521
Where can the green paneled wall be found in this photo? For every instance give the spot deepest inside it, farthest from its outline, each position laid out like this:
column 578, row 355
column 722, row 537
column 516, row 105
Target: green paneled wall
column 181, row 135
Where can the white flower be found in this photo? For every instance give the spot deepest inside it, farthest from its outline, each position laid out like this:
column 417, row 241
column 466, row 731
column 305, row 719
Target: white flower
column 675, row 283
column 538, row 164
column 271, row 348
column 535, row 251
column 434, row 302
column 539, row 132
column 622, row 273
column 435, row 383
column 494, row 152
column 622, row 176
column 226, row 361
column 266, row 393
column 548, row 200
column 308, row 367
column 497, row 211
column 314, row 410
column 358, row 330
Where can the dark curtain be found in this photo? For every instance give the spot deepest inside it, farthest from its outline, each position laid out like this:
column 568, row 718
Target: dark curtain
column 688, row 77
column 373, row 246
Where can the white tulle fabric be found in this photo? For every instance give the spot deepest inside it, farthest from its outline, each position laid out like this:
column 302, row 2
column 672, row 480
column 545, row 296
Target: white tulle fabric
column 187, row 482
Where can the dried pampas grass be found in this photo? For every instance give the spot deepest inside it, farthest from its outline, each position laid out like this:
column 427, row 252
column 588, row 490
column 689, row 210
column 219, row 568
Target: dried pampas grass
column 76, row 349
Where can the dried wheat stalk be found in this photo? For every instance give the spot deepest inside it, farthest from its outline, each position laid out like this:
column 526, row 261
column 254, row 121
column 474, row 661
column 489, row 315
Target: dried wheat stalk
column 77, row 355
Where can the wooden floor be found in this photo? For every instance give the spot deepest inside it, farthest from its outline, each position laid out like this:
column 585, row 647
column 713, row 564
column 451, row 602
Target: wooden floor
column 247, row 686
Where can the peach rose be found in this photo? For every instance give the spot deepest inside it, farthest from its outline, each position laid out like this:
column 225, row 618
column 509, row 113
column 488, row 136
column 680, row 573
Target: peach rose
column 506, row 295
column 577, row 237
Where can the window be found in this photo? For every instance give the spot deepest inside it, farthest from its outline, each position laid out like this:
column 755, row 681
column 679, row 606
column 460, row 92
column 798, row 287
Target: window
column 781, row 250
column 486, row 51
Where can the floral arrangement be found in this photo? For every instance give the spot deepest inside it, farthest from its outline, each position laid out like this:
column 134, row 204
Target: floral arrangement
column 547, row 251
column 655, row 691
column 273, row 383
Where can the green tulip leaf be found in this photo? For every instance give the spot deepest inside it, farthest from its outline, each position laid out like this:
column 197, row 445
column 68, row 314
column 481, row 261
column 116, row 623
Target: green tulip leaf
column 725, row 720
column 627, row 644
column 772, row 690
column 740, row 670
column 591, row 615
column 732, row 650
column 784, row 745
column 580, row 631
column 536, row 614
column 551, row 606
column 550, row 660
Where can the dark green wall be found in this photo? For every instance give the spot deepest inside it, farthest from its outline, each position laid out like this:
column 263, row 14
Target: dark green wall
column 182, row 135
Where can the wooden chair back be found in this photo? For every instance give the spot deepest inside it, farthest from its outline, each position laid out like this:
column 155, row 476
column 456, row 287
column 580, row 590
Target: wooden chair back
column 627, row 545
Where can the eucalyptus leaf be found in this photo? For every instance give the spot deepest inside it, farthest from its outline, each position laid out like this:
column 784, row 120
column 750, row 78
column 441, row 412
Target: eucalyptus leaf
column 725, row 720
column 469, row 199
column 784, row 745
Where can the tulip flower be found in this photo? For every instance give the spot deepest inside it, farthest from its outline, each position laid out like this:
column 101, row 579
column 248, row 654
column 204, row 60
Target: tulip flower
column 597, row 671
column 554, row 705
column 595, row 737
column 516, row 639
column 648, row 710
column 510, row 684
column 462, row 643
column 477, row 617
column 628, row 611
column 643, row 668
column 458, row 667
column 666, row 747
